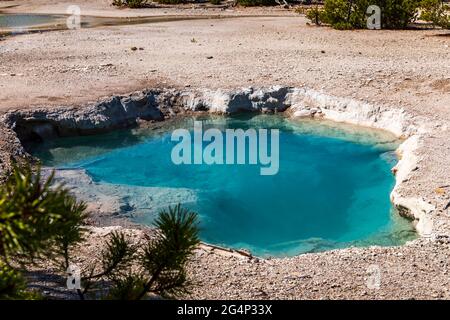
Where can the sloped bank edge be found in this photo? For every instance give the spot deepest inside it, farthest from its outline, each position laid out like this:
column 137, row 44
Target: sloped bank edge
column 159, row 104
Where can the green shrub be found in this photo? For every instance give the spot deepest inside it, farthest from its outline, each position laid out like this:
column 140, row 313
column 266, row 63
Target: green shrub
column 130, row 3
column 158, row 266
column 170, row 1
column 34, row 219
column 254, row 3
column 12, row 284
column 435, row 11
column 398, row 14
column 343, row 26
column 37, row 218
column 348, row 14
column 315, row 15
column 33, row 215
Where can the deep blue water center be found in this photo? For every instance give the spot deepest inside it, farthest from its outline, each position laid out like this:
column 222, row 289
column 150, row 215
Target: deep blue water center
column 331, row 191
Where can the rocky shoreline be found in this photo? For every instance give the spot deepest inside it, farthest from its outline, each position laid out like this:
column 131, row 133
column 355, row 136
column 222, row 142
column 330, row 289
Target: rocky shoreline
column 157, row 105
column 398, row 81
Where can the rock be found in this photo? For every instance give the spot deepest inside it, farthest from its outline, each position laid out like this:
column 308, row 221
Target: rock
column 313, row 111
column 126, row 207
column 302, row 113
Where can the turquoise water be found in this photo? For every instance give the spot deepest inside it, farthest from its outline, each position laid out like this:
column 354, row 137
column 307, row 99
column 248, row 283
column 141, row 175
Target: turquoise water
column 331, row 191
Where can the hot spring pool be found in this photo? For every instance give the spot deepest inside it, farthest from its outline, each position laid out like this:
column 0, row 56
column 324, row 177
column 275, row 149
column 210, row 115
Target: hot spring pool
column 331, row 191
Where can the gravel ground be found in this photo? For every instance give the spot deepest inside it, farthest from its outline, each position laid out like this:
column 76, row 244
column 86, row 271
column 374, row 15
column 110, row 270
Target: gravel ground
column 401, row 69
column 416, row 271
